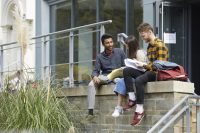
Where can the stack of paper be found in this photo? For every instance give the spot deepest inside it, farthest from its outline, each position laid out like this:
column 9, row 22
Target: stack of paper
column 132, row 63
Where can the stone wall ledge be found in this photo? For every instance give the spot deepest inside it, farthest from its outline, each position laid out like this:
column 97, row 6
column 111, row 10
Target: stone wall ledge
column 151, row 87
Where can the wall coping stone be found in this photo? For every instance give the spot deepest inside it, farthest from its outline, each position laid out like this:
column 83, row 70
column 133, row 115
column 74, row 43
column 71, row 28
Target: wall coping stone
column 151, row 87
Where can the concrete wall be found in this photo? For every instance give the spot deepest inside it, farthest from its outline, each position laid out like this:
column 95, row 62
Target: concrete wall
column 159, row 98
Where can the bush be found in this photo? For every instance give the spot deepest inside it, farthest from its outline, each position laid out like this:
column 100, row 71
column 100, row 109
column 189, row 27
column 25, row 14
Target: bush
column 36, row 109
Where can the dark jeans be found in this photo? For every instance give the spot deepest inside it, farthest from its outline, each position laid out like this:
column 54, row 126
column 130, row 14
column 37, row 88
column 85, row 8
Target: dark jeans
column 141, row 78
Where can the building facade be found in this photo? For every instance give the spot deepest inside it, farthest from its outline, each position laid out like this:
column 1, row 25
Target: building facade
column 17, row 24
column 174, row 21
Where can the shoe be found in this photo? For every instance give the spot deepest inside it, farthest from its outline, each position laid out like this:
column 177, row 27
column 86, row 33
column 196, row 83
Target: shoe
column 118, row 110
column 129, row 105
column 115, row 80
column 137, row 118
column 103, row 79
column 89, row 119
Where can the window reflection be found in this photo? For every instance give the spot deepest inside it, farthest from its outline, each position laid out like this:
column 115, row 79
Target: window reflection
column 59, row 52
column 113, row 10
column 85, row 12
column 85, row 41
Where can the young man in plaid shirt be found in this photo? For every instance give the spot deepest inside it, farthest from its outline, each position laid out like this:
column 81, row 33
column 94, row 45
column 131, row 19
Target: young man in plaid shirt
column 156, row 51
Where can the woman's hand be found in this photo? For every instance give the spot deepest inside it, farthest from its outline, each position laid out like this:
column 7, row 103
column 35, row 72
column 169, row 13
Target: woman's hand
column 139, row 64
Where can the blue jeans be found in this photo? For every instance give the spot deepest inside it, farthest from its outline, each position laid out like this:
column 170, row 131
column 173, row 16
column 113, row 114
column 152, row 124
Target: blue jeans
column 120, row 87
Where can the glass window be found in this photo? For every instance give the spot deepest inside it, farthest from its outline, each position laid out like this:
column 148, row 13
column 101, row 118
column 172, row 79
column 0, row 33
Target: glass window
column 134, row 11
column 60, row 20
column 84, row 52
column 113, row 10
column 137, row 17
column 86, row 41
column 85, row 12
column 59, row 46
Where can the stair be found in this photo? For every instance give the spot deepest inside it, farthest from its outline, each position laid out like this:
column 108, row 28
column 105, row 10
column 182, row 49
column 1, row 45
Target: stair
column 159, row 98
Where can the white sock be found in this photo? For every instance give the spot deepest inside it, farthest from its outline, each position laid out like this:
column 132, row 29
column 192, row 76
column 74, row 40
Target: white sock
column 132, row 96
column 119, row 107
column 139, row 108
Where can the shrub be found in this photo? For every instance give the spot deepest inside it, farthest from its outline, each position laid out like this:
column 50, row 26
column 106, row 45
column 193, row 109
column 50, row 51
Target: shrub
column 37, row 109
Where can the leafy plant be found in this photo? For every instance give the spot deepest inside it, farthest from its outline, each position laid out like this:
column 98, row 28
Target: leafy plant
column 36, row 109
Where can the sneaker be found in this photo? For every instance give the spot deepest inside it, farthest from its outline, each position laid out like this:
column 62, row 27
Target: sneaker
column 137, row 118
column 115, row 80
column 118, row 110
column 103, row 79
column 129, row 105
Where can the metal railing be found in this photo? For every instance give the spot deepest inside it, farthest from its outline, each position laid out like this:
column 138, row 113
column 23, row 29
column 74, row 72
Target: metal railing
column 184, row 106
column 121, row 37
column 44, row 42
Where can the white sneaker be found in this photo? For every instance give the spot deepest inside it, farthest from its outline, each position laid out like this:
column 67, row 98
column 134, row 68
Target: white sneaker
column 115, row 80
column 118, row 111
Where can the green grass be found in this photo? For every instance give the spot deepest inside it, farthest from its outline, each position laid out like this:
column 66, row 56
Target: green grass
column 28, row 109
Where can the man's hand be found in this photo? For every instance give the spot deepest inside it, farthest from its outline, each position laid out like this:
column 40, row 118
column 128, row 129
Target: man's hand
column 96, row 80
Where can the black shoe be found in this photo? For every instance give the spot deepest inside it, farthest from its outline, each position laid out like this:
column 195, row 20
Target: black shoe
column 89, row 119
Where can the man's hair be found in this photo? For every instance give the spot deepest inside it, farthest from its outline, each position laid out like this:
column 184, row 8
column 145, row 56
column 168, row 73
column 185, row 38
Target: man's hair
column 104, row 37
column 133, row 46
column 144, row 27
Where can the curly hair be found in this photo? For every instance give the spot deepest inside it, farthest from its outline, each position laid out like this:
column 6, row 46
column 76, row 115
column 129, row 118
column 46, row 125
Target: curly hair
column 144, row 27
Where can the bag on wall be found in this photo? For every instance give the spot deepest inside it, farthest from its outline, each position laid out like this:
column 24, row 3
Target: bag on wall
column 169, row 71
column 177, row 73
column 164, row 65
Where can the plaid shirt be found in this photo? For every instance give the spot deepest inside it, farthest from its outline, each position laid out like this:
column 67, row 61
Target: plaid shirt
column 156, row 51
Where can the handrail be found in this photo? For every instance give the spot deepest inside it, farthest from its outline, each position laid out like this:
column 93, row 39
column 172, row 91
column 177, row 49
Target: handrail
column 64, row 31
column 10, row 43
column 167, row 115
column 76, row 28
column 44, row 43
column 120, row 37
column 173, row 119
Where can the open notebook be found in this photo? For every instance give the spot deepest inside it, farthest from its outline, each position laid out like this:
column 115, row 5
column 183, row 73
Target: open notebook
column 131, row 63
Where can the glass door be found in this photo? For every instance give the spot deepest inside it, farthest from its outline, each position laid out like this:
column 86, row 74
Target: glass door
column 172, row 30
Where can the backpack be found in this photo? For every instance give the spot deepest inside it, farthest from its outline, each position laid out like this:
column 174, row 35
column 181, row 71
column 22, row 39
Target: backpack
column 170, row 71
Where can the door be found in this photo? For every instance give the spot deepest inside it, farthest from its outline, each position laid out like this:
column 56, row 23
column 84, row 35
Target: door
column 195, row 46
column 172, row 30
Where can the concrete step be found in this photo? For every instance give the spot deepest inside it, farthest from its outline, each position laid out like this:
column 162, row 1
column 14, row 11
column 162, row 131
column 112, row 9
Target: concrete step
column 160, row 97
column 119, row 128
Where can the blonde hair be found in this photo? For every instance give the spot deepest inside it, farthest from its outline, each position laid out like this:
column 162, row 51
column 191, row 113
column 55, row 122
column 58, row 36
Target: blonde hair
column 144, row 27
